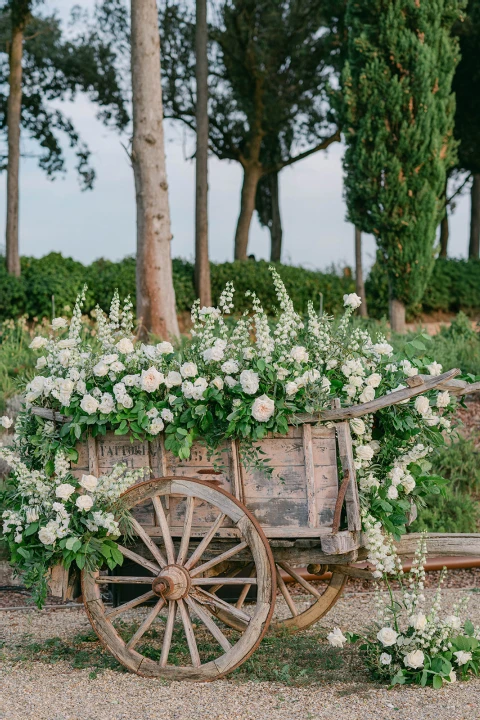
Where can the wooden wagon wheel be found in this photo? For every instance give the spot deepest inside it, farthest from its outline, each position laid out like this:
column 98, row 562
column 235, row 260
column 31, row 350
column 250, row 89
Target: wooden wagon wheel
column 177, row 582
column 306, row 603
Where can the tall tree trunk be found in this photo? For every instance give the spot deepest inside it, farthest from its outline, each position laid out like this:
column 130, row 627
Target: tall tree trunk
column 444, row 235
column 251, row 175
column 474, row 246
column 359, row 283
column 202, row 264
column 276, row 232
column 397, row 315
column 155, row 293
column 14, row 109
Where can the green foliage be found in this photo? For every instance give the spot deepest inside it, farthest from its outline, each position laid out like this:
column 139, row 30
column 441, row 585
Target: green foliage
column 456, row 509
column 398, row 112
column 466, row 84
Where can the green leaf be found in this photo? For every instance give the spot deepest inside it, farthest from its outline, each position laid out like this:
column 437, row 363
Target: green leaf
column 437, row 682
column 71, row 541
column 32, row 528
column 80, row 560
column 468, row 627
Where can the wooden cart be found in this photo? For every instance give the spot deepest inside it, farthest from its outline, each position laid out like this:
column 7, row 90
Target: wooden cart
column 199, row 532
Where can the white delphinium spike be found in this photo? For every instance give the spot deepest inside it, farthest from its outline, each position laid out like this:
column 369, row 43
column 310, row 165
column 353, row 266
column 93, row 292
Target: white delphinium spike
column 225, row 302
column 289, row 322
column 264, row 340
column 76, row 321
column 114, row 315
column 104, row 331
column 127, row 317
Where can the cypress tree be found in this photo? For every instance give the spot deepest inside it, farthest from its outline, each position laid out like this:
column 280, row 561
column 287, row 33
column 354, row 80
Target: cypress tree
column 398, row 115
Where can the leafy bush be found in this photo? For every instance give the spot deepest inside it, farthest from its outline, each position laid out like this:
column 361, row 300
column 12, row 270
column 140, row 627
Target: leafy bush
column 457, row 509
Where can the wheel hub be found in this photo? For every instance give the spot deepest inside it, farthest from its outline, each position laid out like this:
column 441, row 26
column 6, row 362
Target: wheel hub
column 172, row 583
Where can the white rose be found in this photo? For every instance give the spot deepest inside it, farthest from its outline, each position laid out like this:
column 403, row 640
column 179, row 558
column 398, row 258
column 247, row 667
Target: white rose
column 291, row 388
column 249, row 353
column 117, row 366
column 414, row 659
column 84, row 502
column 165, row 348
column 325, row 385
column 336, row 638
column 453, row 621
column 89, row 404
column 374, row 380
column 153, row 413
column 249, row 381
column 41, row 362
column 408, row 484
column 462, row 657
column 387, row 636
column 81, row 387
column 364, row 452
column 434, row 369
column 151, row 379
column 368, row 394
column 100, row 369
column 38, row 342
column 358, row 426
column 432, row 420
column 149, row 351
column 453, row 676
column 383, row 349
column 125, row 346
column 156, row 426
column 282, row 373
column 230, row 381
column 213, row 354
column 167, row 415
column 396, row 474
column 188, row 369
column 230, row 366
column 109, row 359
column 47, row 536
column 58, row 323
column 299, row 354
column 131, row 380
column 422, row 404
column 67, row 343
column 37, row 384
column 263, row 408
column 64, row 491
column 6, row 422
column 385, row 659
column 419, row 621
column 331, row 364
column 218, row 382
column 187, row 388
column 89, row 482
column 443, row 399
column 352, row 300
column 350, row 389
column 173, row 379
column 356, row 381
column 392, row 492
column 199, row 387
column 126, row 401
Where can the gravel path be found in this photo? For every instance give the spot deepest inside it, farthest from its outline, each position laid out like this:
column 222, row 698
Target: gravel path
column 32, row 689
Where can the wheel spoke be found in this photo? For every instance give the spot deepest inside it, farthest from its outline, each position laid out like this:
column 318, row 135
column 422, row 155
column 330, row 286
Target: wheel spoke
column 244, row 593
column 206, row 618
column 206, row 598
column 233, row 573
column 153, row 567
column 124, row 580
column 162, row 521
column 301, row 581
column 187, row 528
column 198, row 552
column 167, row 638
column 225, row 581
column 146, row 624
column 131, row 604
column 149, row 543
column 284, row 590
column 189, row 634
column 218, row 559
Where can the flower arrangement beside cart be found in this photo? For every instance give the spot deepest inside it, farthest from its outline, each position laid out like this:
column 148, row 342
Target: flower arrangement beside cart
column 410, row 644
column 237, row 378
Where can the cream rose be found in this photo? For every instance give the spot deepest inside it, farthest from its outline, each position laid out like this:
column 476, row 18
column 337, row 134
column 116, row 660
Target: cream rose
column 291, row 388
column 230, row 366
column 263, row 408
column 419, row 621
column 218, row 382
column 125, row 346
column 385, row 659
column 414, row 659
column 374, row 380
column 6, row 422
column 299, row 354
column 89, row 482
column 392, row 492
column 100, row 369
column 167, row 415
column 336, row 638
column 64, row 491
column 352, row 300
column 358, row 426
column 368, row 394
column 462, row 657
column 249, row 381
column 58, row 323
column 189, row 369
column 165, row 348
column 443, row 399
column 434, row 369
column 46, row 536
column 364, row 452
column 151, row 379
column 422, row 404
column 173, row 379
column 89, row 404
column 38, row 342
column 84, row 502
column 387, row 636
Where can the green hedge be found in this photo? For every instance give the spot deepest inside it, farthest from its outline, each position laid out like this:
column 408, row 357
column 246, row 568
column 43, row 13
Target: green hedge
column 63, row 278
column 454, row 285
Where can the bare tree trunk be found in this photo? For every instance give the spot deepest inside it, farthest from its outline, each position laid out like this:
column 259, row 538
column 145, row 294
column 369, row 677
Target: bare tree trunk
column 251, row 175
column 474, row 246
column 276, row 232
column 202, row 264
column 14, row 109
column 397, row 316
column 359, row 283
column 155, row 293
column 444, row 235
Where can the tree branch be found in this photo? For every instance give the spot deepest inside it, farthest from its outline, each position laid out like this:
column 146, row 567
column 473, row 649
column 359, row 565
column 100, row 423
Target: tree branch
column 276, row 167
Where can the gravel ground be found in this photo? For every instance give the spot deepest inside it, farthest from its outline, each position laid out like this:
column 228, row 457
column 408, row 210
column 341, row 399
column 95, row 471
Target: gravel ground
column 31, row 689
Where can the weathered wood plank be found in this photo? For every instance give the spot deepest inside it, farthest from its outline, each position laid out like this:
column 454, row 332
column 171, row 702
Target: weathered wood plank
column 312, row 513
column 352, row 500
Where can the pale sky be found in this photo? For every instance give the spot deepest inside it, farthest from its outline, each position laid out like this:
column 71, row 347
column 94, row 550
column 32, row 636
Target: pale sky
column 57, row 216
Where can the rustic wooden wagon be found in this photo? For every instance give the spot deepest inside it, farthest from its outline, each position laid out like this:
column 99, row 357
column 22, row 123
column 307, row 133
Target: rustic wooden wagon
column 200, row 531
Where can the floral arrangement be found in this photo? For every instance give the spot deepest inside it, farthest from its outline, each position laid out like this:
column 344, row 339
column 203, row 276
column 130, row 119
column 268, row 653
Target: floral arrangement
column 411, row 645
column 238, row 377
